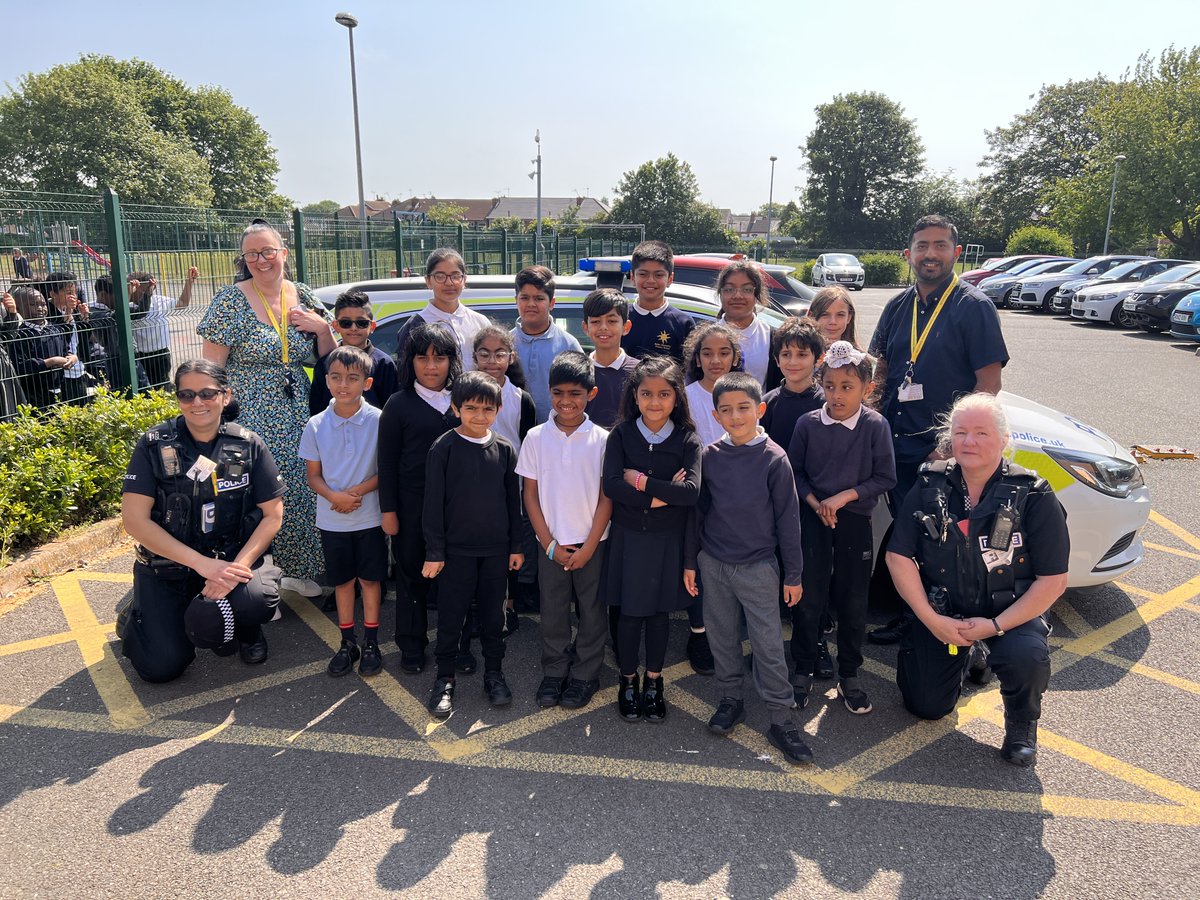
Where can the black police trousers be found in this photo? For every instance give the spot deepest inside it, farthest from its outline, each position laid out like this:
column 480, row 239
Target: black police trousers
column 930, row 679
column 154, row 638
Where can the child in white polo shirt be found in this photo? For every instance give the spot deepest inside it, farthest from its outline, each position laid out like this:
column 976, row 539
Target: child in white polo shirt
column 561, row 462
column 339, row 446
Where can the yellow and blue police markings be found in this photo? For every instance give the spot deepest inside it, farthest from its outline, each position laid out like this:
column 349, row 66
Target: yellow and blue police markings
column 131, row 709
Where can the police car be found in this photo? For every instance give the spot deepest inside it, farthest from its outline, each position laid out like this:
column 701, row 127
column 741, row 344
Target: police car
column 1097, row 480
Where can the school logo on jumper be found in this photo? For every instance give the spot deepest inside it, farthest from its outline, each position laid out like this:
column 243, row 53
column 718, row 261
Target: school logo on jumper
column 232, row 484
column 664, row 340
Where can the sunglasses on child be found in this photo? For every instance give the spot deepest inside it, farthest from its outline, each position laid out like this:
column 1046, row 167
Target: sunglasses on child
column 354, row 323
column 207, row 395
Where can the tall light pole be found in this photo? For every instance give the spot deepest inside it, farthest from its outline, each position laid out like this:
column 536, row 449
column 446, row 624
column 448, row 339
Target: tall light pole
column 1112, row 198
column 537, row 173
column 770, row 203
column 344, row 18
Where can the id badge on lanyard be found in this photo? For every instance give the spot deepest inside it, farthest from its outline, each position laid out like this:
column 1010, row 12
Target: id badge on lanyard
column 910, row 390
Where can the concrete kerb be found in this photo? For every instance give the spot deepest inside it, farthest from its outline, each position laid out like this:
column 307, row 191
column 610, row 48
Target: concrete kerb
column 71, row 552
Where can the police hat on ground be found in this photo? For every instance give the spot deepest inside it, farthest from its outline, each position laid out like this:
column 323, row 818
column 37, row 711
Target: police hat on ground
column 209, row 623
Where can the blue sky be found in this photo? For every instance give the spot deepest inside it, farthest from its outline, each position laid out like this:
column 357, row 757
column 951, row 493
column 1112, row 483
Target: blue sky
column 451, row 92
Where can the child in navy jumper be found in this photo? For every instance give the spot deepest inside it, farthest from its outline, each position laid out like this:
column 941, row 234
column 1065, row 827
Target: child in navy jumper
column 747, row 510
column 657, row 328
column 472, row 525
column 606, row 321
column 843, row 461
column 796, row 346
column 353, row 320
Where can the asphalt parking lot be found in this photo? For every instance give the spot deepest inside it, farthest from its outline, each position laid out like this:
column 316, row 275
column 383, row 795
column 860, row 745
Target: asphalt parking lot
column 281, row 781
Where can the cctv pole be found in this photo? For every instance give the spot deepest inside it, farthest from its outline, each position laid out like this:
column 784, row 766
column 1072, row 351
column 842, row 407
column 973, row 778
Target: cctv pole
column 770, row 203
column 351, row 23
column 537, row 249
column 1112, row 199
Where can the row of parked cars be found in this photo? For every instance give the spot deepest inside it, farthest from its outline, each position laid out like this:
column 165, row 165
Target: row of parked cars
column 1124, row 290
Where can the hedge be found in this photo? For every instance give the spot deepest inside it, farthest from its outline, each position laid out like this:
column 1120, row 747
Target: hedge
column 883, row 268
column 804, row 271
column 65, row 467
column 1039, row 239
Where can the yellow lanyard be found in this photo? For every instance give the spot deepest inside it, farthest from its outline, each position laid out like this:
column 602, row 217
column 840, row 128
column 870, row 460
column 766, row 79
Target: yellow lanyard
column 280, row 324
column 917, row 344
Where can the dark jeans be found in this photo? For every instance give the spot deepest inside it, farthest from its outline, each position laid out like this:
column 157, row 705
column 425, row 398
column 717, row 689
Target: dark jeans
column 463, row 579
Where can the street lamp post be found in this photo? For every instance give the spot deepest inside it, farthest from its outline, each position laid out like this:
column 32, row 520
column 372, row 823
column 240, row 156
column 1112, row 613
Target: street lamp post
column 770, row 203
column 350, row 23
column 1112, row 198
column 537, row 173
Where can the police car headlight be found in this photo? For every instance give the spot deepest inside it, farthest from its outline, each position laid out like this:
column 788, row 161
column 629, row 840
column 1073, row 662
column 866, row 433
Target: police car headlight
column 1106, row 474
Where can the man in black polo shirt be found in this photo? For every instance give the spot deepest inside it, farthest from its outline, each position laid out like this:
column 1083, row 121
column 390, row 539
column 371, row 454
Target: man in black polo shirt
column 940, row 339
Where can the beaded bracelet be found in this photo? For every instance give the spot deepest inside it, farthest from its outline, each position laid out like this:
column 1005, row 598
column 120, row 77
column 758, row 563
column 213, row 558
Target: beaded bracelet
column 550, row 550
column 640, row 481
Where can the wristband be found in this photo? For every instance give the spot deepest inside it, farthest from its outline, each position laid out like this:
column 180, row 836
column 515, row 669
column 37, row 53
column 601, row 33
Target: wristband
column 550, row 550
column 999, row 630
column 641, row 481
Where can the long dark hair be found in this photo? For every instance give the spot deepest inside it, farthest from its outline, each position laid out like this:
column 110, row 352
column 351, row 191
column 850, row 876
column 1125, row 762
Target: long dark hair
column 217, row 373
column 419, row 340
column 514, row 372
column 695, row 343
column 657, row 367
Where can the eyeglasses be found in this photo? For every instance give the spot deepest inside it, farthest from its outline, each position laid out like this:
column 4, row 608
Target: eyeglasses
column 746, row 290
column 267, row 253
column 453, row 277
column 354, row 323
column 207, row 395
column 488, row 355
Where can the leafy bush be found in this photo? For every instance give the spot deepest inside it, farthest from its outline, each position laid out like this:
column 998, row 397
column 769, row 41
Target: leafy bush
column 1039, row 239
column 66, row 467
column 804, row 271
column 883, row 268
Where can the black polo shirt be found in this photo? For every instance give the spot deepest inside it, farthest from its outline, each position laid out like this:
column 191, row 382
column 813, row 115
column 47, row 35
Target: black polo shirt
column 966, row 337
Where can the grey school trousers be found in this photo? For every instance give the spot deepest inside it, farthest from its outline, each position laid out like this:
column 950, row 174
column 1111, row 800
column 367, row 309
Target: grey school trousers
column 752, row 589
column 560, row 591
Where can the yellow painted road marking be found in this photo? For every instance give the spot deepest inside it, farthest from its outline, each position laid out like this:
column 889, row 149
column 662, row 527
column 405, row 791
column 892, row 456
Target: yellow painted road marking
column 1136, row 591
column 1113, row 631
column 112, row 577
column 1178, row 530
column 1172, row 550
column 1175, row 681
column 1191, row 607
column 1070, row 616
column 53, row 640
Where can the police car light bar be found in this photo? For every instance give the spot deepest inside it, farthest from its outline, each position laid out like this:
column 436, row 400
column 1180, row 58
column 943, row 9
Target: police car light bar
column 592, row 264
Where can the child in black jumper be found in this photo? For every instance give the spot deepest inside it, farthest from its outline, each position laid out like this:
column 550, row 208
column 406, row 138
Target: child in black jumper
column 843, row 461
column 652, row 475
column 472, row 527
column 412, row 419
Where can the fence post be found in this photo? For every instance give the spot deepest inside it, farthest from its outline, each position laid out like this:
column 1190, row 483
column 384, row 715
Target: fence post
column 503, row 251
column 337, row 249
column 461, row 246
column 557, row 261
column 398, row 233
column 126, row 364
column 298, row 246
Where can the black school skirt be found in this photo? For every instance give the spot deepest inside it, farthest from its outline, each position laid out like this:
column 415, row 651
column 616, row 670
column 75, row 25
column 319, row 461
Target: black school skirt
column 643, row 573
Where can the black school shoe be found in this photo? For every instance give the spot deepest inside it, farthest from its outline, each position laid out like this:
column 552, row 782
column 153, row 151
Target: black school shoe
column 255, row 652
column 786, row 739
column 496, row 688
column 550, row 691
column 629, row 699
column 729, row 713
column 343, row 661
column 465, row 663
column 441, row 699
column 411, row 662
column 801, row 689
column 579, row 693
column 654, row 704
column 372, row 660
column 512, row 622
column 699, row 654
column 824, row 668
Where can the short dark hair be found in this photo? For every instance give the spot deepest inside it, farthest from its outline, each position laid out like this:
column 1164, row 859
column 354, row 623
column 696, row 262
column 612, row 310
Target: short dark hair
column 934, row 221
column 737, row 381
column 104, row 284
column 653, row 251
column 657, row 367
column 351, row 358
column 603, row 301
column 217, row 373
column 538, row 276
column 353, row 299
column 693, row 371
column 572, row 367
column 57, row 281
column 474, row 386
column 419, row 340
column 440, row 255
column 796, row 331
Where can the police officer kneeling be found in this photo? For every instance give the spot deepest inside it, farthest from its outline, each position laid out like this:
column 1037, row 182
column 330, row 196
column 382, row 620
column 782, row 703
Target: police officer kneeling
column 980, row 552
column 202, row 497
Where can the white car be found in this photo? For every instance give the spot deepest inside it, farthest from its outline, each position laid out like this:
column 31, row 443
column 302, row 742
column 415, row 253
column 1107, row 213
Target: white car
column 1097, row 481
column 1102, row 301
column 1037, row 293
column 839, row 268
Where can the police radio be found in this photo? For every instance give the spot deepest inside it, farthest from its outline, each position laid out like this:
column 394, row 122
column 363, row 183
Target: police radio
column 1001, row 534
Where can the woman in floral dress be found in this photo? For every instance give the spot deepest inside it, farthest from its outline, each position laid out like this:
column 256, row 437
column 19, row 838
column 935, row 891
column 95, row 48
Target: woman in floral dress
column 262, row 330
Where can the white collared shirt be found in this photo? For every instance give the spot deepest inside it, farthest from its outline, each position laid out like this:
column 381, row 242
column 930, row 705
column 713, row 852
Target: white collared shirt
column 757, row 439
column 652, row 312
column 617, row 363
column 508, row 419
column 850, row 423
column 439, row 400
column 463, row 323
column 655, row 437
column 567, row 469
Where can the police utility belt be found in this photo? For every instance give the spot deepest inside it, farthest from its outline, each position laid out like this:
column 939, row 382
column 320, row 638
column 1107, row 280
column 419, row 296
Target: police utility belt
column 953, row 562
column 204, row 503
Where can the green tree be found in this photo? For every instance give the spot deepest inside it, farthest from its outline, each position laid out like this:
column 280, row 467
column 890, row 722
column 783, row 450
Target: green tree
column 321, row 208
column 509, row 224
column 1048, row 142
column 861, row 157
column 1153, row 119
column 127, row 124
column 446, row 214
column 1039, row 239
column 663, row 194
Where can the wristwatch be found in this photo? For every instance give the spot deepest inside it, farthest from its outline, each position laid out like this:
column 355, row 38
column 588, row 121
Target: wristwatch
column 999, row 630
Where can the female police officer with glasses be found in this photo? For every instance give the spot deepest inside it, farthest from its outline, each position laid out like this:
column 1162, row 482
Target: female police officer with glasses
column 980, row 552
column 202, row 497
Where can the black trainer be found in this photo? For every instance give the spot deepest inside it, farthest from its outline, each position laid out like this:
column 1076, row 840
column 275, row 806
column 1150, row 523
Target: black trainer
column 465, row 663
column 699, row 654
column 372, row 660
column 412, row 662
column 824, row 668
column 801, row 689
column 889, row 633
column 729, row 714
column 343, row 661
column 496, row 688
column 550, row 691
column 854, row 696
column 1020, row 742
column 512, row 622
column 441, row 699
column 786, row 739
column 579, row 693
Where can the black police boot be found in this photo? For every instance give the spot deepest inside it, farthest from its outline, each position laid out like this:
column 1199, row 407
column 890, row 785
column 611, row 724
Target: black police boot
column 254, row 652
column 891, row 633
column 1020, row 742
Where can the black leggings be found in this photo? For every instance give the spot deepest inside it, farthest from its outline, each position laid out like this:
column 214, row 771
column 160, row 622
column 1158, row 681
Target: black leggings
column 629, row 642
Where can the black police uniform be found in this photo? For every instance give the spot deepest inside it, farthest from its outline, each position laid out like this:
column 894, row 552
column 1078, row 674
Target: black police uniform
column 215, row 516
column 977, row 580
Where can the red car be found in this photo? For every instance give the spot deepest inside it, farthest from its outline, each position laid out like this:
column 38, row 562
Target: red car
column 998, row 265
column 787, row 291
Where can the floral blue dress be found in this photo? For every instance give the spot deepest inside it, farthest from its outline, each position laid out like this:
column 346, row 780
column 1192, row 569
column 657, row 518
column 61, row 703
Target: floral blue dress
column 257, row 375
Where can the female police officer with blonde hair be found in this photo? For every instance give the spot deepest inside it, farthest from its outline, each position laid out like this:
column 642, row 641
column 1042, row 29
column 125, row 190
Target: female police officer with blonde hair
column 202, row 497
column 980, row 552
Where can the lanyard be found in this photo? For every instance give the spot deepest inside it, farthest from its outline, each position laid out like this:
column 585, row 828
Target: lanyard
column 280, row 324
column 917, row 344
